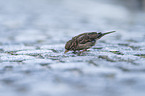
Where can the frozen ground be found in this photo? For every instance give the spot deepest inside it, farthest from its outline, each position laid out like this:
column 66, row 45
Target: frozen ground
column 32, row 38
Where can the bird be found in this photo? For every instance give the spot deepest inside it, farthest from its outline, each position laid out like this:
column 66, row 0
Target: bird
column 84, row 41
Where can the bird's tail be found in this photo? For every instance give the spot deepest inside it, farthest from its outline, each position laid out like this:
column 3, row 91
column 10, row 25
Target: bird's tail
column 102, row 34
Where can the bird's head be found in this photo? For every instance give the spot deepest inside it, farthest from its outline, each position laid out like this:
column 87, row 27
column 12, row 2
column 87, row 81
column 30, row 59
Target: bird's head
column 68, row 46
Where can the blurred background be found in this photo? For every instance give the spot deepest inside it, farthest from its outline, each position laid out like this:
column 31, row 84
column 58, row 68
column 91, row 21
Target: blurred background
column 32, row 38
column 46, row 18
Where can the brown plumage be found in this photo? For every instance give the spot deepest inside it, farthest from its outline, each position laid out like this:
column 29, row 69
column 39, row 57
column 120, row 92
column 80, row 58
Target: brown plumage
column 84, row 41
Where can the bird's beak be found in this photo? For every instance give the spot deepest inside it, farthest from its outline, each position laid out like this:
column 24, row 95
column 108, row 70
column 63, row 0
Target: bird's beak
column 66, row 51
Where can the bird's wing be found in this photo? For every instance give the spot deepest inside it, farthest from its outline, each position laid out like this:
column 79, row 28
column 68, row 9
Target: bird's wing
column 83, row 38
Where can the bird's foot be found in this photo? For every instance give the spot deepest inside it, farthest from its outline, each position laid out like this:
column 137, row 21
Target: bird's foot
column 82, row 51
column 74, row 52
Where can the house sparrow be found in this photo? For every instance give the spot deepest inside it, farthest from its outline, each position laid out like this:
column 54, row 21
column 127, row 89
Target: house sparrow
column 84, row 41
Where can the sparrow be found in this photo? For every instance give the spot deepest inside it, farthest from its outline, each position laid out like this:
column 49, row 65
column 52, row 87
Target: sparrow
column 84, row 41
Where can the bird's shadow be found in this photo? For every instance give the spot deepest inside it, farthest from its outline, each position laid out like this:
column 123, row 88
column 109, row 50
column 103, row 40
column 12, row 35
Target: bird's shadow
column 79, row 53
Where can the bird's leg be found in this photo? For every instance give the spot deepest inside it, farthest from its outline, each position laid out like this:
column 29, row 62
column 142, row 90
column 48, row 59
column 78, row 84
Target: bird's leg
column 74, row 52
column 82, row 51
